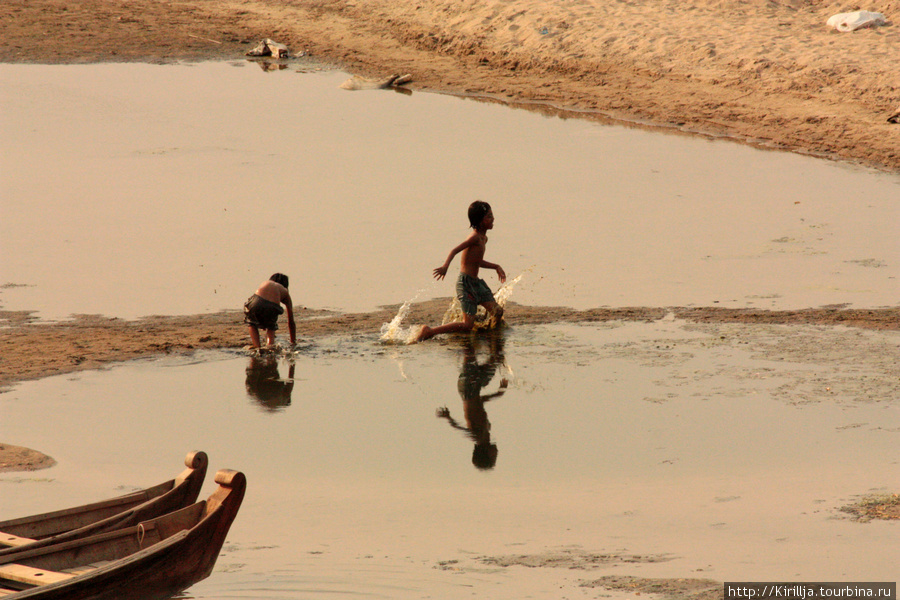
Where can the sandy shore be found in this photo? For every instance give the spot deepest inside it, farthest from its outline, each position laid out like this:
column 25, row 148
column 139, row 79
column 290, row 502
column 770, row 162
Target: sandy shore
column 765, row 72
column 18, row 458
column 768, row 72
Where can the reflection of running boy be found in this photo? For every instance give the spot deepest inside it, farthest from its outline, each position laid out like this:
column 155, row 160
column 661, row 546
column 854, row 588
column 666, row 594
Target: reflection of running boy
column 262, row 309
column 473, row 378
column 471, row 290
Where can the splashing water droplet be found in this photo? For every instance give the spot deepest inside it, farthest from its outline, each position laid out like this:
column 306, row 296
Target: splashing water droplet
column 395, row 333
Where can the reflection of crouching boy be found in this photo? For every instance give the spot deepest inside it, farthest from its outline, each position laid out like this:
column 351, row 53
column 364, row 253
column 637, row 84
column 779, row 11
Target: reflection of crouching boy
column 262, row 309
column 471, row 290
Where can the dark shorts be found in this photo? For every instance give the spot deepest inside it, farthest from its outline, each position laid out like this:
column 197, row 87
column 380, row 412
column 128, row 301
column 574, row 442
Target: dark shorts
column 471, row 292
column 262, row 313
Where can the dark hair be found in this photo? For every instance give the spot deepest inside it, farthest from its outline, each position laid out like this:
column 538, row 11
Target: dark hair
column 477, row 210
column 280, row 278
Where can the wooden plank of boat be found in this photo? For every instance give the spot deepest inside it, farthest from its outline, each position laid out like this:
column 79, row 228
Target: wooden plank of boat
column 30, row 575
column 115, row 513
column 152, row 560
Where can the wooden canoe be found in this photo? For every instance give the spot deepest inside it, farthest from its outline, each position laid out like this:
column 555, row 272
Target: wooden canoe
column 116, row 513
column 152, row 560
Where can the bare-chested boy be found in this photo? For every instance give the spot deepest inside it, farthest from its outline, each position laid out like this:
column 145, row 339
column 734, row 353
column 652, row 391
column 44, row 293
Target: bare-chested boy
column 471, row 290
column 262, row 309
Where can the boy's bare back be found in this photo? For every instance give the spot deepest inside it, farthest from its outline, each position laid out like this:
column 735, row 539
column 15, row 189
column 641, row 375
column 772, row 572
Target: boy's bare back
column 274, row 292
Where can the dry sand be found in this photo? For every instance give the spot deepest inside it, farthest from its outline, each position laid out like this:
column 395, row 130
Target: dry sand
column 766, row 72
column 769, row 72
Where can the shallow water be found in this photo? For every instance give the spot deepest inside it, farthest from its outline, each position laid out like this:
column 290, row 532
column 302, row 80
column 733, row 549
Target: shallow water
column 134, row 189
column 709, row 452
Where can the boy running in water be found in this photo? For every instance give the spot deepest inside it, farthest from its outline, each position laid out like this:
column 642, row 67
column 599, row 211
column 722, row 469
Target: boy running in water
column 471, row 290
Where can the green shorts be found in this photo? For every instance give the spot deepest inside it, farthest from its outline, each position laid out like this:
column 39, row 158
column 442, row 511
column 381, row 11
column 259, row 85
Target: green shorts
column 471, row 292
column 262, row 313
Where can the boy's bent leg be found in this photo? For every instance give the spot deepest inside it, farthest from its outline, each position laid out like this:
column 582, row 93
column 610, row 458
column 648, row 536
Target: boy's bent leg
column 458, row 327
column 254, row 336
column 494, row 308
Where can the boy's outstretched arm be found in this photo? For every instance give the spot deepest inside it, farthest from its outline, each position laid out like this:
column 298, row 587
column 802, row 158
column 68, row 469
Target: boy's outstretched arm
column 442, row 270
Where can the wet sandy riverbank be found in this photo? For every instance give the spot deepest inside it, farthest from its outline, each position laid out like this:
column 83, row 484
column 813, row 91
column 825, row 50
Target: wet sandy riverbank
column 33, row 349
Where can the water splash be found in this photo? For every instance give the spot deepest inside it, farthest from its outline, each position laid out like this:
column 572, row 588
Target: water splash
column 395, row 333
column 506, row 289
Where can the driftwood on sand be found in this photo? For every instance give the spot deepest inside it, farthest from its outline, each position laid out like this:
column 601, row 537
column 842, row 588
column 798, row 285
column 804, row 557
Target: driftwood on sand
column 363, row 83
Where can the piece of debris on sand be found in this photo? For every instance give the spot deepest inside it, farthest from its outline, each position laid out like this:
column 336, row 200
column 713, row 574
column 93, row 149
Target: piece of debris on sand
column 363, row 83
column 269, row 47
